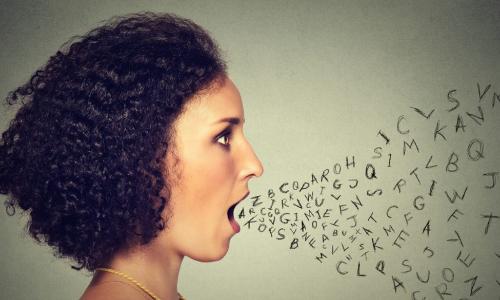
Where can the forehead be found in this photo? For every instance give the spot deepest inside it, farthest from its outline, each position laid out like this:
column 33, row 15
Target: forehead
column 221, row 101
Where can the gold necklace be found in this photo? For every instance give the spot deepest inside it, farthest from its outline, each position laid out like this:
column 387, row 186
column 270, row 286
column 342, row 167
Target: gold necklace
column 137, row 283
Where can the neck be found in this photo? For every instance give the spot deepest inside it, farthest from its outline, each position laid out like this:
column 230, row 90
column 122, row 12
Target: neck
column 153, row 267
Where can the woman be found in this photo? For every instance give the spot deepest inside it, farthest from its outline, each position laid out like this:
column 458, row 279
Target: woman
column 129, row 154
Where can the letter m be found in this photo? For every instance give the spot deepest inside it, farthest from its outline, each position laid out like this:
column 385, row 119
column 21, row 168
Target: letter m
column 309, row 215
column 410, row 145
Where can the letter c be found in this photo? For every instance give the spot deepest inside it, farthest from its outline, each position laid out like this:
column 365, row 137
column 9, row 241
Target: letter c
column 338, row 267
column 390, row 207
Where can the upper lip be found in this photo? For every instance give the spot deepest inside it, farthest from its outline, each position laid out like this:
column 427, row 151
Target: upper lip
column 241, row 199
column 244, row 196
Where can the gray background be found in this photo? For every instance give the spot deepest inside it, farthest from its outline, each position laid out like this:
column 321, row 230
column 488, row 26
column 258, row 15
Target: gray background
column 318, row 80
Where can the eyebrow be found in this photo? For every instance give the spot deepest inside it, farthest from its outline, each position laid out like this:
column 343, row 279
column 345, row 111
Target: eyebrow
column 230, row 120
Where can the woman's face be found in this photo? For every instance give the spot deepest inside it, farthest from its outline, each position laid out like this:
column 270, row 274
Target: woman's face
column 211, row 167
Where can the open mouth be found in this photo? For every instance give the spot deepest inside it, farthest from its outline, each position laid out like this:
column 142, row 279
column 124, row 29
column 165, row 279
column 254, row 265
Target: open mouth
column 232, row 221
column 230, row 215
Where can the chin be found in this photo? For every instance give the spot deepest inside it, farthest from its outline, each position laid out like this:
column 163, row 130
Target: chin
column 211, row 256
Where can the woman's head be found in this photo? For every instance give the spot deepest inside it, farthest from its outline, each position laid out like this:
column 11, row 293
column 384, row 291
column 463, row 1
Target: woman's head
column 212, row 164
column 84, row 156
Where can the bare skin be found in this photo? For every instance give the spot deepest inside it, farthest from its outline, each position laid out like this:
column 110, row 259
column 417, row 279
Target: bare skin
column 143, row 265
column 212, row 166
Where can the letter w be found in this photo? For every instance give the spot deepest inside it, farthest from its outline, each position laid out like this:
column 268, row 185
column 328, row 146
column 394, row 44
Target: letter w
column 456, row 195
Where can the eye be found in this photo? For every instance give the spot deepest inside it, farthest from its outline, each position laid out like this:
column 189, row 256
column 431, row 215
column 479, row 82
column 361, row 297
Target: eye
column 224, row 140
column 224, row 137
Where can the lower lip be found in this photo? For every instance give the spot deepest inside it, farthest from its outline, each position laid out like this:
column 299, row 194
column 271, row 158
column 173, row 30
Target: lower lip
column 234, row 225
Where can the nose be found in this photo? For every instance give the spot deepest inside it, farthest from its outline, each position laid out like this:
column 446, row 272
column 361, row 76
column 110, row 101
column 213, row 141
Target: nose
column 251, row 166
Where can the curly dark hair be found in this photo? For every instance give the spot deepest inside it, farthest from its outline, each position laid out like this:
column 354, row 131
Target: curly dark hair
column 84, row 156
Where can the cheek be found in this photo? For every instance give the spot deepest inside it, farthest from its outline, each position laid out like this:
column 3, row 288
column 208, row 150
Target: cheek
column 209, row 180
column 214, row 166
column 221, row 169
column 217, row 184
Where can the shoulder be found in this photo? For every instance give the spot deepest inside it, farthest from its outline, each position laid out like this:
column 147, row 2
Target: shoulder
column 113, row 290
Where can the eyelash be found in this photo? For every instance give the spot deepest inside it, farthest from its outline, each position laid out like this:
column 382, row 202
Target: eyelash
column 226, row 135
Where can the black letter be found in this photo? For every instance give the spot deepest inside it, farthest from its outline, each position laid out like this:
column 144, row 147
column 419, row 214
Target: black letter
column 493, row 177
column 451, row 99
column 479, row 152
